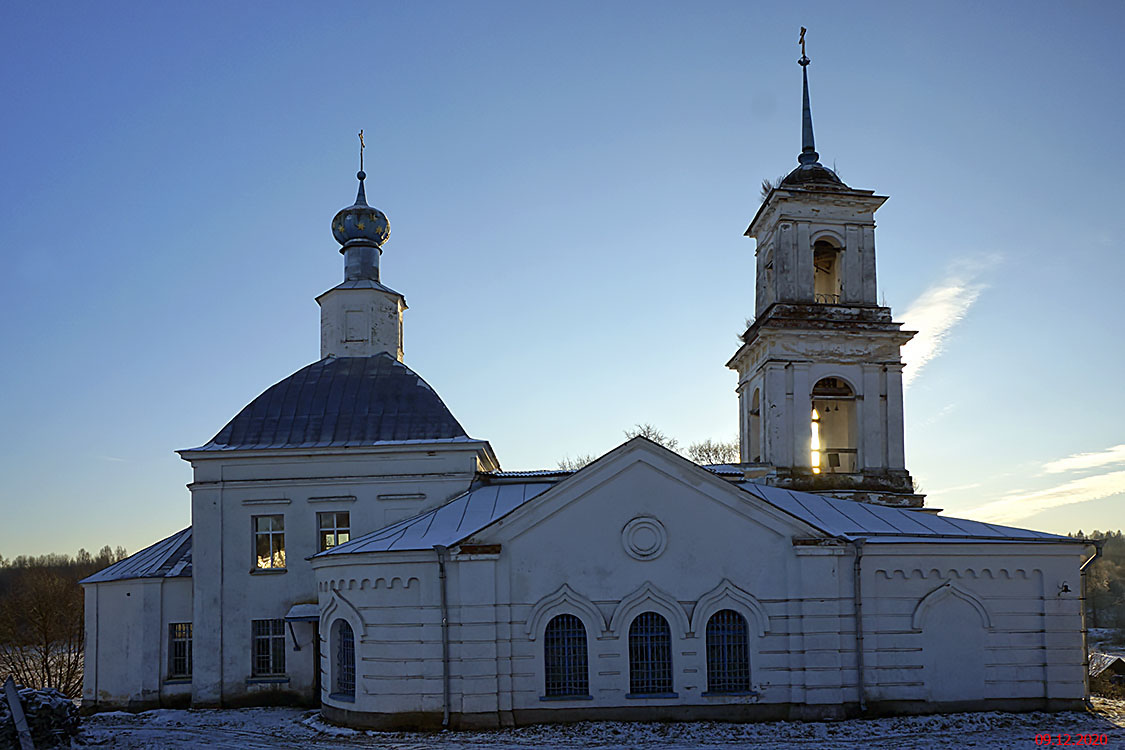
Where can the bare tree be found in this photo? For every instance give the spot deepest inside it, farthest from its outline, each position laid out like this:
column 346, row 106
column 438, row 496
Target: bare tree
column 42, row 634
column 714, row 452
column 649, row 431
column 576, row 463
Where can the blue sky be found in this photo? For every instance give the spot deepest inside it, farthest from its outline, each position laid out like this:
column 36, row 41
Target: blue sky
column 567, row 186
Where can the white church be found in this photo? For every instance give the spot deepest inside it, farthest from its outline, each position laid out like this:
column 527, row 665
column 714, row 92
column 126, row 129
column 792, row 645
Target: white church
column 352, row 547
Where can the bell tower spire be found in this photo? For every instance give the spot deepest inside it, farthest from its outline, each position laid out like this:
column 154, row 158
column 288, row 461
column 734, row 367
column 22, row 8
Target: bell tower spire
column 808, row 147
column 820, row 372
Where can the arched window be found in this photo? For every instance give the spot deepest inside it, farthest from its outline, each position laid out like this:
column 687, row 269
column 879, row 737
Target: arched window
column 833, row 428
column 345, row 660
column 827, row 281
column 755, row 428
column 728, row 653
column 564, row 657
column 650, row 655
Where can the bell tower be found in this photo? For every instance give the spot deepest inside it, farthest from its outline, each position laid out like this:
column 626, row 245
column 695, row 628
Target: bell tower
column 819, row 369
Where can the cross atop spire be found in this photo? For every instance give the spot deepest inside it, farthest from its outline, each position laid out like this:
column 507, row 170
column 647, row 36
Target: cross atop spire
column 808, row 148
column 361, row 196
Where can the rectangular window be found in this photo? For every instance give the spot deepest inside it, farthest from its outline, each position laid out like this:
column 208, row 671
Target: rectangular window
column 269, row 542
column 335, row 528
column 179, row 649
column 269, row 647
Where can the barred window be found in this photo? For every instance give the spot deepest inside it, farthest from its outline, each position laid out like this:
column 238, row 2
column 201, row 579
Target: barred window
column 269, row 542
column 650, row 655
column 345, row 659
column 334, row 528
column 269, row 647
column 728, row 653
column 564, row 657
column 179, row 649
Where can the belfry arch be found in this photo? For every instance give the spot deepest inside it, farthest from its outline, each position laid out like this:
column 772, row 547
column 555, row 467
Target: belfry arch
column 828, row 278
column 833, row 441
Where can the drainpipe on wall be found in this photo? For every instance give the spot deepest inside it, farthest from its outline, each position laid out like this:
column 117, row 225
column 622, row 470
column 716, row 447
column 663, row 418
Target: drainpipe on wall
column 1085, row 639
column 441, row 557
column 858, row 599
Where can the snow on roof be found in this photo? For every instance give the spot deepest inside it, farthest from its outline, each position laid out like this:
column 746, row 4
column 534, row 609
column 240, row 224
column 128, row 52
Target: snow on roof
column 447, row 524
column 168, row 558
column 878, row 523
column 1100, row 662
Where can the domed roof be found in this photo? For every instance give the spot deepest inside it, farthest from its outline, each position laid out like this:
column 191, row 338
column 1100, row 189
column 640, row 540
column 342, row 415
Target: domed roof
column 341, row 401
column 812, row 175
column 360, row 221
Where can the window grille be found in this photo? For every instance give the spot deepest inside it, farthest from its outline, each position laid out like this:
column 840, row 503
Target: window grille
column 345, row 659
column 269, row 542
column 334, row 528
column 564, row 657
column 179, row 649
column 650, row 655
column 728, row 653
column 269, row 647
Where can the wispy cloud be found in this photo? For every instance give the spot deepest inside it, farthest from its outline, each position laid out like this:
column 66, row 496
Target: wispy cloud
column 1017, row 506
column 114, row 459
column 1080, row 461
column 933, row 315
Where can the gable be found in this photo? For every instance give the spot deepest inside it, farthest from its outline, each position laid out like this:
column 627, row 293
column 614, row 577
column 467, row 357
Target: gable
column 640, row 514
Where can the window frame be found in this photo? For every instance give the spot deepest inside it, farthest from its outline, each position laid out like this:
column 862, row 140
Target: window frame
column 335, row 529
column 651, row 665
column 344, row 674
column 566, row 659
column 274, row 639
column 727, row 647
column 273, row 535
column 176, row 638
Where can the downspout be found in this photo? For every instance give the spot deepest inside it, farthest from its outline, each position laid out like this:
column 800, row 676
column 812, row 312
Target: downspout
column 441, row 557
column 858, row 600
column 1085, row 639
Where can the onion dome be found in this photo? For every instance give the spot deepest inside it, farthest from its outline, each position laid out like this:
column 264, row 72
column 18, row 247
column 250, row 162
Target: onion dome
column 359, row 222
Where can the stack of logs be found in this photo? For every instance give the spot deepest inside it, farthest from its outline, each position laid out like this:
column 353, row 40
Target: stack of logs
column 51, row 717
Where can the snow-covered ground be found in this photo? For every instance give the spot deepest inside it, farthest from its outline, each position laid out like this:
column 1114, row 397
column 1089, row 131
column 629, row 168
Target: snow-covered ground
column 1106, row 640
column 285, row 728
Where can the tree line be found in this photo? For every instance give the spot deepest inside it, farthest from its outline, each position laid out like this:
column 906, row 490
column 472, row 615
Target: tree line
column 42, row 622
column 1105, row 582
column 703, row 453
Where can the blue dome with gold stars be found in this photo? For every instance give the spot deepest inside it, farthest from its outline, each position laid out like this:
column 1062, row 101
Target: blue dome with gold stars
column 361, row 221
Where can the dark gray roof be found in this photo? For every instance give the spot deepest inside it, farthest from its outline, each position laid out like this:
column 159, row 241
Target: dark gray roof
column 341, row 401
column 168, row 558
column 813, row 175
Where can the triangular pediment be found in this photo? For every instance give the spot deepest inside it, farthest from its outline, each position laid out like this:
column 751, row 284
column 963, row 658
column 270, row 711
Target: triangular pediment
column 633, row 473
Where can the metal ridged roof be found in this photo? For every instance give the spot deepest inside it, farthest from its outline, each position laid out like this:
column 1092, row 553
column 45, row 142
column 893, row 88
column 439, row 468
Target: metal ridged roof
column 878, row 523
column 341, row 401
column 168, row 558
column 448, row 524
column 473, row 511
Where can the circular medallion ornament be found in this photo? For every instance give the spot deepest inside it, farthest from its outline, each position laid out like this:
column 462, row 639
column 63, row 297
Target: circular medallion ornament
column 644, row 538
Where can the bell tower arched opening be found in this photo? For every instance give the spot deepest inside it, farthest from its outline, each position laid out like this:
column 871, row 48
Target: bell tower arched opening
column 755, row 428
column 834, row 448
column 828, row 285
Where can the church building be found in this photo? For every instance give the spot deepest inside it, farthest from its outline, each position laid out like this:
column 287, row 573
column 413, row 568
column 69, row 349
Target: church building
column 352, row 547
